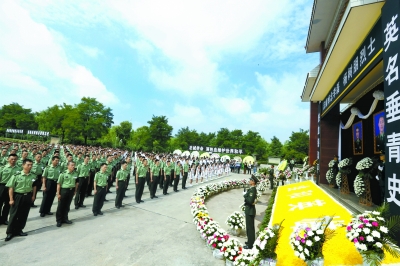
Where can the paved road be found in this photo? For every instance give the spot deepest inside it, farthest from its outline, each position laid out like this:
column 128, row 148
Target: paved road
column 157, row 232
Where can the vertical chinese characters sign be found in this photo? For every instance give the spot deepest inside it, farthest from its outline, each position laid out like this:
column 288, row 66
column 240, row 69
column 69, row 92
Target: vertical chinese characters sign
column 391, row 48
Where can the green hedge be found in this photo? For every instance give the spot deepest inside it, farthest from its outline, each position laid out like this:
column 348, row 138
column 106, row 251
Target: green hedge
column 268, row 211
column 14, row 140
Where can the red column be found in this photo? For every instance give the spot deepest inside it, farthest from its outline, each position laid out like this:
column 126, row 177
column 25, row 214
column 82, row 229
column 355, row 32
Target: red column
column 329, row 138
column 313, row 144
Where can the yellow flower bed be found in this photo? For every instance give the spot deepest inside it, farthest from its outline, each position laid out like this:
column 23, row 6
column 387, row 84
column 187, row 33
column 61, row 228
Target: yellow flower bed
column 305, row 202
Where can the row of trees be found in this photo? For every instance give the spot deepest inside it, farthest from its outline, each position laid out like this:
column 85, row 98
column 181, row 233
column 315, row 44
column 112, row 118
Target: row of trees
column 157, row 136
column 90, row 122
column 87, row 120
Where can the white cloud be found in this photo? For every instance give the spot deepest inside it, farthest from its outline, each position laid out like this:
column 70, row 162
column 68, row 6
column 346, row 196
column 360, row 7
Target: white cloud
column 282, row 101
column 193, row 37
column 35, row 67
column 90, row 51
column 186, row 115
column 234, row 106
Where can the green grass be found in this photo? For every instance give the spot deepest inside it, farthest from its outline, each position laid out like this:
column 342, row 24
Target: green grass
column 268, row 211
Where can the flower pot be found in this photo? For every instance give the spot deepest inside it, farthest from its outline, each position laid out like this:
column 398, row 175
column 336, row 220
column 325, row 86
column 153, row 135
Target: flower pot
column 229, row 263
column 236, row 232
column 316, row 262
column 218, row 254
column 268, row 262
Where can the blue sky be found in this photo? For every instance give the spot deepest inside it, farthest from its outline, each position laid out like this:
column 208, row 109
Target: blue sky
column 205, row 64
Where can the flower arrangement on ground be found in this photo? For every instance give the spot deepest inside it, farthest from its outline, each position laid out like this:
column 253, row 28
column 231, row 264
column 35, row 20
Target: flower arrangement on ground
column 307, row 240
column 210, row 229
column 344, row 169
column 202, row 222
column 359, row 186
column 299, row 172
column 288, row 174
column 372, row 232
column 281, row 175
column 305, row 161
column 246, row 258
column 329, row 176
column 218, row 238
column 365, row 167
column 232, row 249
column 312, row 170
column 266, row 243
column 202, row 211
column 263, row 185
column 236, row 221
column 305, row 169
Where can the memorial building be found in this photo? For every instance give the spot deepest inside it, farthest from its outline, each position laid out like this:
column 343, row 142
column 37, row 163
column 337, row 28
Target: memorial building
column 353, row 91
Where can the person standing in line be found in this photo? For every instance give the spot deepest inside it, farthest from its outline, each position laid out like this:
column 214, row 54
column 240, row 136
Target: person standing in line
column 21, row 197
column 120, row 184
column 50, row 178
column 92, row 172
column 185, row 173
column 128, row 168
column 66, row 190
column 271, row 177
column 100, row 189
column 177, row 173
column 191, row 174
column 162, row 166
column 37, row 169
column 237, row 165
column 5, row 175
column 109, row 173
column 173, row 164
column 154, row 178
column 250, row 198
column 291, row 164
column 83, row 171
column 167, row 176
column 141, row 174
column 255, row 167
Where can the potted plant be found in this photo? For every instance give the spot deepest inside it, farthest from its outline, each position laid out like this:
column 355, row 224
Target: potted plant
column 372, row 233
column 236, row 222
column 231, row 249
column 265, row 245
column 216, row 241
column 246, row 258
column 307, row 240
column 209, row 229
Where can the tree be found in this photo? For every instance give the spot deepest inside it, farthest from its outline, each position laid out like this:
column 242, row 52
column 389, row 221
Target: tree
column 223, row 138
column 94, row 119
column 207, row 139
column 186, row 137
column 123, row 131
column 160, row 131
column 15, row 116
column 55, row 119
column 297, row 145
column 140, row 139
column 275, row 147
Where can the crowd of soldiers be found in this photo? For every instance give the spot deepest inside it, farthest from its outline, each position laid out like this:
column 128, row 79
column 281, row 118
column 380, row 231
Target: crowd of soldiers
column 71, row 171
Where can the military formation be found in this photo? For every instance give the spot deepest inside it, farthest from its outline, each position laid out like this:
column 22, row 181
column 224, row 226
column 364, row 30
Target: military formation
column 74, row 173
